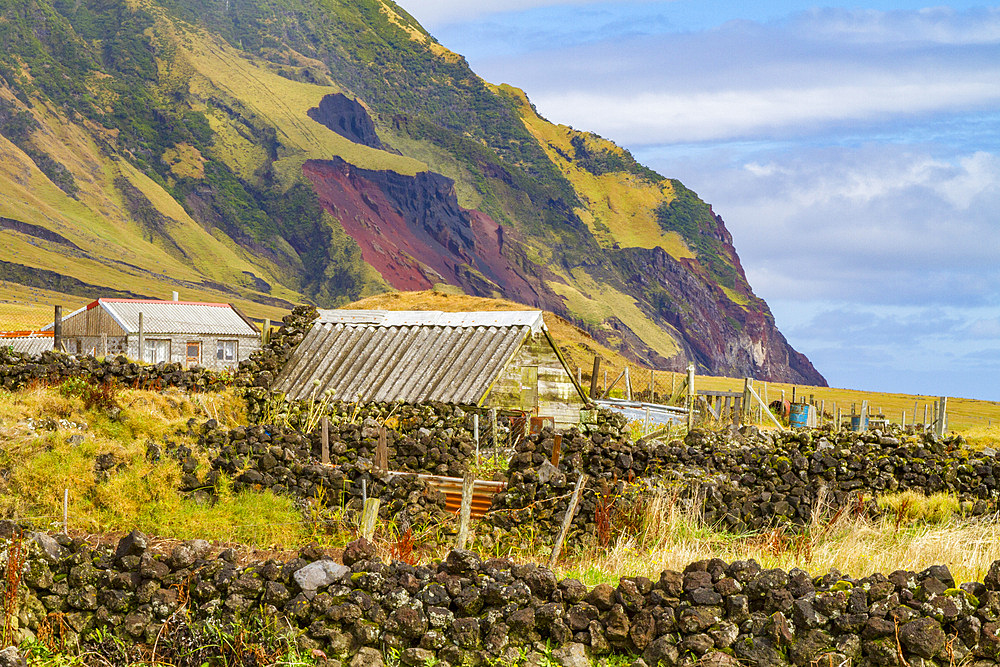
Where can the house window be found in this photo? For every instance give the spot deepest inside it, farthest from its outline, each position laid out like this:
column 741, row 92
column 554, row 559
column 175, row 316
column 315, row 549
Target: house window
column 193, row 352
column 226, row 350
column 157, row 350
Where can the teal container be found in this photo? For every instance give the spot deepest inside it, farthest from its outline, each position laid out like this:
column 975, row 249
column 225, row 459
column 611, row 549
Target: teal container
column 798, row 416
column 859, row 423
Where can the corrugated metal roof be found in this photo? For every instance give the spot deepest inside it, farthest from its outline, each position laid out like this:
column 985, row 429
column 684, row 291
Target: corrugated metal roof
column 172, row 317
column 29, row 344
column 400, row 318
column 370, row 358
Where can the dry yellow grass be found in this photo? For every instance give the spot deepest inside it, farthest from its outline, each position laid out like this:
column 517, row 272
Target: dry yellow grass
column 963, row 413
column 855, row 546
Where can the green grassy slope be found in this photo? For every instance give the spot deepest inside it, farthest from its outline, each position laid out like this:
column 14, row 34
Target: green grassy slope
column 164, row 141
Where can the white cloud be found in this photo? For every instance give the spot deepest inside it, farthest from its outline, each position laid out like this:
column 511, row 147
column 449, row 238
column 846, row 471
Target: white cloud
column 673, row 117
column 816, row 70
column 933, row 25
column 979, row 175
column 879, row 224
column 986, row 328
column 431, row 12
column 930, row 351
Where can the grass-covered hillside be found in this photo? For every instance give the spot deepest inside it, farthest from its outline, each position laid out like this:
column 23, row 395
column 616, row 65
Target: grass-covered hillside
column 265, row 153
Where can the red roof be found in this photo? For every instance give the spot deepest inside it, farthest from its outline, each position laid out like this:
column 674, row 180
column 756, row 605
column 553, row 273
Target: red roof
column 179, row 303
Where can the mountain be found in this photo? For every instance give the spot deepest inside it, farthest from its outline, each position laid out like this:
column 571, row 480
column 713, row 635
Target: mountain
column 265, row 152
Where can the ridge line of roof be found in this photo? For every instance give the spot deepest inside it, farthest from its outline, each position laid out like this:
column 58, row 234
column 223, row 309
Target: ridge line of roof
column 428, row 318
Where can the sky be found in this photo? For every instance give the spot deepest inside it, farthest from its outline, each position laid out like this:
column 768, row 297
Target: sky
column 853, row 151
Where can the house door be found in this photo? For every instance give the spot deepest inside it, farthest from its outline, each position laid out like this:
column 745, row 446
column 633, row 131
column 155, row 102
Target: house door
column 529, row 388
column 193, row 352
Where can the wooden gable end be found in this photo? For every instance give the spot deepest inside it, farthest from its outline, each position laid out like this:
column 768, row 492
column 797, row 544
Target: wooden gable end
column 91, row 322
column 536, row 381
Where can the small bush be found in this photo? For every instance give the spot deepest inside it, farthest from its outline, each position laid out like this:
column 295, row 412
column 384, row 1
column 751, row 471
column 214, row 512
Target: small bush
column 94, row 396
column 911, row 507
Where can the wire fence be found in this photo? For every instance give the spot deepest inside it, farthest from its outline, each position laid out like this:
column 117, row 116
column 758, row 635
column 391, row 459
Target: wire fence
column 18, row 314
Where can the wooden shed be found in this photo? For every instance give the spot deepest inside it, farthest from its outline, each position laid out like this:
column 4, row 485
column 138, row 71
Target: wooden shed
column 502, row 359
column 211, row 335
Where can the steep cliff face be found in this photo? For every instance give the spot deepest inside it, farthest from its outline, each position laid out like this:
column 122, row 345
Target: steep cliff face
column 718, row 333
column 413, row 232
column 348, row 118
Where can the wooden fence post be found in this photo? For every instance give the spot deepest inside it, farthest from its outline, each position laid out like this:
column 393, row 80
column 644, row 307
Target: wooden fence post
column 104, row 345
column 747, row 407
column 57, row 336
column 493, row 427
column 556, row 449
column 942, row 419
column 690, row 396
column 652, row 383
column 594, row 375
column 574, row 502
column 465, row 513
column 265, row 332
column 628, row 384
column 368, row 518
column 325, row 441
column 475, row 433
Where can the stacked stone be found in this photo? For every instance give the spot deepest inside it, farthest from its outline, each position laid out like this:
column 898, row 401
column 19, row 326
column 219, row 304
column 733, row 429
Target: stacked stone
column 751, row 481
column 19, row 370
column 287, row 462
column 440, row 450
column 265, row 364
column 466, row 611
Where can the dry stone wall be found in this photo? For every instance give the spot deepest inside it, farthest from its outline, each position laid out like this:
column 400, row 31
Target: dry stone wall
column 19, row 370
column 752, row 481
column 469, row 611
column 286, row 462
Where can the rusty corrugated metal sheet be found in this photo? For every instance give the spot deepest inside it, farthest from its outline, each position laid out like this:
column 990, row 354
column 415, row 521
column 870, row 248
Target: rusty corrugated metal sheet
column 483, row 491
column 373, row 360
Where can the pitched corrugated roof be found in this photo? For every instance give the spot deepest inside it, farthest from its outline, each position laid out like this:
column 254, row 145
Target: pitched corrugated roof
column 173, row 317
column 374, row 356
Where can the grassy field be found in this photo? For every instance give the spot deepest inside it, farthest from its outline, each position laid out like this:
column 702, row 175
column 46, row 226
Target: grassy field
column 50, row 438
column 49, row 442
column 672, row 538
